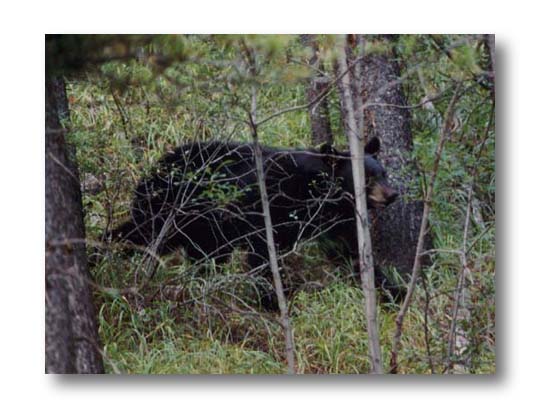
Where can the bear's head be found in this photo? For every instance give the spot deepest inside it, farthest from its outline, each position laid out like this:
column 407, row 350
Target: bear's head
column 378, row 191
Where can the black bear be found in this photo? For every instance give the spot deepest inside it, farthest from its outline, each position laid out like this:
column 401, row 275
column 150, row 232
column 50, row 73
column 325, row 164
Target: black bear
column 204, row 197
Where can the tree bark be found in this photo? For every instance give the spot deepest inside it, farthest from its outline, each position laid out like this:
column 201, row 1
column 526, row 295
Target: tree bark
column 395, row 229
column 489, row 41
column 71, row 338
column 319, row 113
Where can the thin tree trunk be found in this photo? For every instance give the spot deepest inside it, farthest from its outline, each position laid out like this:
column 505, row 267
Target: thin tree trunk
column 282, row 301
column 271, row 246
column 367, row 273
column 71, row 339
column 319, row 113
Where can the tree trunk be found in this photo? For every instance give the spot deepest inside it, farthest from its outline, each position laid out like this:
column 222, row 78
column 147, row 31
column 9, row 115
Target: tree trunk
column 71, row 338
column 319, row 113
column 489, row 41
column 353, row 128
column 395, row 229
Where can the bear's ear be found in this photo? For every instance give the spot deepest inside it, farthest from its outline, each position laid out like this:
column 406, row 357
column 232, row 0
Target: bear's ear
column 327, row 149
column 373, row 146
column 330, row 155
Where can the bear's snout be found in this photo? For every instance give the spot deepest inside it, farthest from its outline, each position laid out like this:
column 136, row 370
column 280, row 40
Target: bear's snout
column 391, row 195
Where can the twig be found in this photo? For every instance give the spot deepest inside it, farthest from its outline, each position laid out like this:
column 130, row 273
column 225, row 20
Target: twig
column 121, row 111
column 460, row 295
column 426, row 324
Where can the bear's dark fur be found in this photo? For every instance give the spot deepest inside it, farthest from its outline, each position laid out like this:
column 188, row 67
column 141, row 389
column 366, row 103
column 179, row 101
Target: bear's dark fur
column 204, row 197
